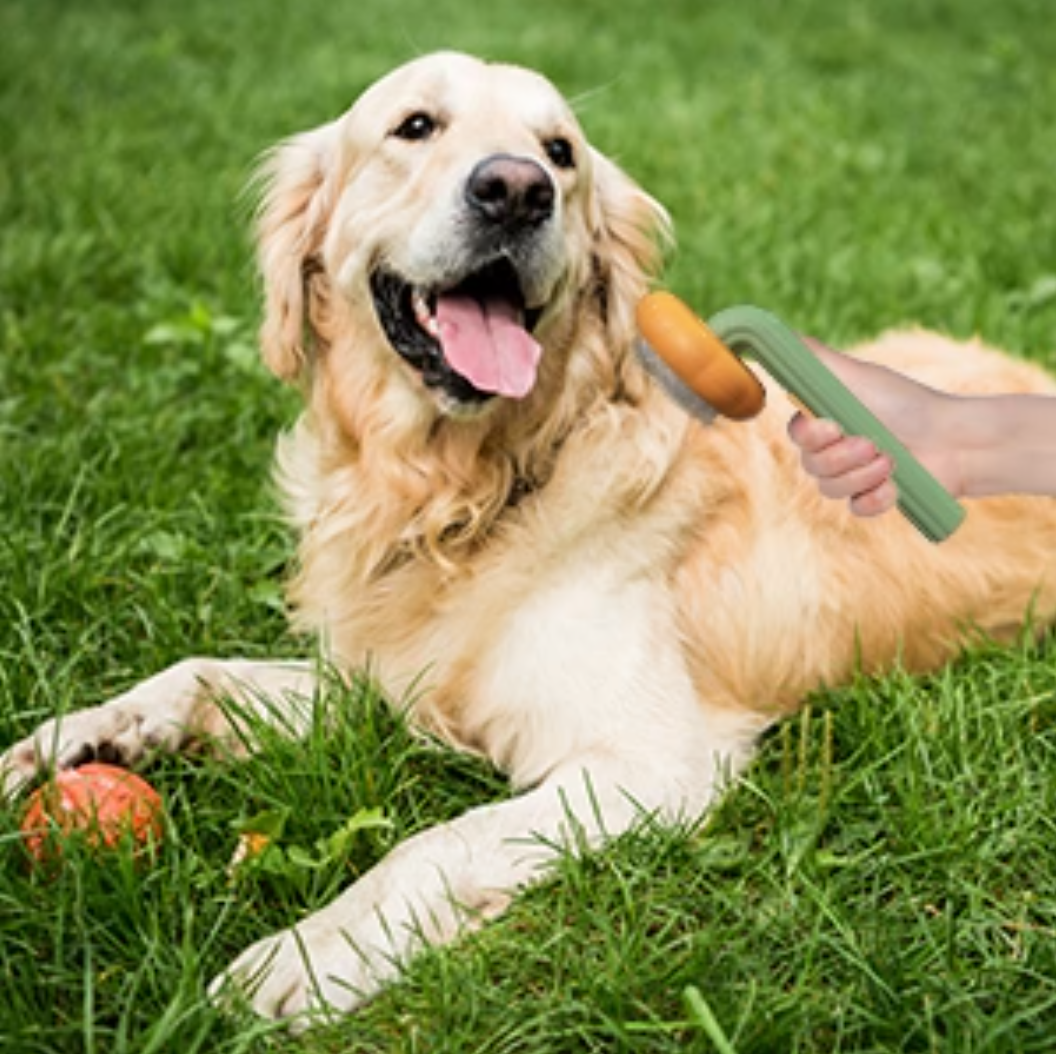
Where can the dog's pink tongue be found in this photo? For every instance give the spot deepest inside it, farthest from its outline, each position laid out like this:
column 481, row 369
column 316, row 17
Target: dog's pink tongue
column 488, row 345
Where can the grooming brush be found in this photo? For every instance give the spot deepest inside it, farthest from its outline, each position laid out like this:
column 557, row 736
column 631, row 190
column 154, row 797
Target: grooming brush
column 699, row 365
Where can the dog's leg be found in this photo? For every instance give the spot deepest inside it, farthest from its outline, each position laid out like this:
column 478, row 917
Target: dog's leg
column 165, row 713
column 451, row 878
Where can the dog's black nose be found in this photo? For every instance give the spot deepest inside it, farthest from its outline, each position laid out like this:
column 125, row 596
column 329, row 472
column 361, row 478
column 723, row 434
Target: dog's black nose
column 511, row 191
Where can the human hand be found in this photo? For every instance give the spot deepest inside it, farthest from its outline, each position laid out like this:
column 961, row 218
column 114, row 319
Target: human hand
column 853, row 468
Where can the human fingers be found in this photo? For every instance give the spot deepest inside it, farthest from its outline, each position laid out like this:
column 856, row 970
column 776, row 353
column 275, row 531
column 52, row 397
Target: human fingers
column 847, row 456
column 877, row 501
column 813, row 434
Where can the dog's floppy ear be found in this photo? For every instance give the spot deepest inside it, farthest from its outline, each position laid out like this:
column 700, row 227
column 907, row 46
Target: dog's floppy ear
column 295, row 204
column 632, row 233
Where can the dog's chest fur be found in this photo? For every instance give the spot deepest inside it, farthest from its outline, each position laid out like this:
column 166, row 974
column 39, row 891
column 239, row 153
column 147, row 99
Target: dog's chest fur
column 511, row 642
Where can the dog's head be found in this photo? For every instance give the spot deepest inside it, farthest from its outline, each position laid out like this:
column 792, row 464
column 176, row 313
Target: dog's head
column 454, row 231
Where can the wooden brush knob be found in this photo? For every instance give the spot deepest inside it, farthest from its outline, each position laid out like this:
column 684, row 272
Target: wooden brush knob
column 698, row 358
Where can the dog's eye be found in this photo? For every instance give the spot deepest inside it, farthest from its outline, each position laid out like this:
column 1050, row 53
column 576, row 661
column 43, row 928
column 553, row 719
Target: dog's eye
column 417, row 126
column 560, row 151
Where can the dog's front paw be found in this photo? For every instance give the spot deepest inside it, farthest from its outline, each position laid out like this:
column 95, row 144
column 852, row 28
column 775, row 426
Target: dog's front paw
column 154, row 715
column 100, row 733
column 301, row 974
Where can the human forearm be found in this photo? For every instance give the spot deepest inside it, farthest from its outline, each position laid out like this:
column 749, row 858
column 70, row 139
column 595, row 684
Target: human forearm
column 1006, row 444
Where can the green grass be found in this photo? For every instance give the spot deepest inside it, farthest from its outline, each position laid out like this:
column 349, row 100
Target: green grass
column 883, row 879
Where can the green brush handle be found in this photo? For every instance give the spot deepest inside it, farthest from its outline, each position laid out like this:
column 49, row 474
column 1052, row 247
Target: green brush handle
column 751, row 331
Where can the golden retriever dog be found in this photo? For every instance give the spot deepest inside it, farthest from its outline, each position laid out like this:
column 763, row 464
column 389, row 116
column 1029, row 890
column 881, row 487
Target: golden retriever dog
column 498, row 507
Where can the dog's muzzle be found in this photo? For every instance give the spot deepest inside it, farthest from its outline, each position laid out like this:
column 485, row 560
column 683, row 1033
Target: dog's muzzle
column 471, row 336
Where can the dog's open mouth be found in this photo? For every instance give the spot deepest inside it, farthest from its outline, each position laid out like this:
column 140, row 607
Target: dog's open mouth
column 472, row 340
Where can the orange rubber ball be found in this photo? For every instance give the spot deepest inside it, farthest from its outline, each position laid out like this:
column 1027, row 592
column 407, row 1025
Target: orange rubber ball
column 104, row 804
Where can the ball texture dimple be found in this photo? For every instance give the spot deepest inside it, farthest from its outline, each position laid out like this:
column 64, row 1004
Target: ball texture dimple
column 104, row 804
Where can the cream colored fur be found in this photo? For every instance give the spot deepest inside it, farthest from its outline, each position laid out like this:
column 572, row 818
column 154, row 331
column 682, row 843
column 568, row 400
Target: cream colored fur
column 603, row 597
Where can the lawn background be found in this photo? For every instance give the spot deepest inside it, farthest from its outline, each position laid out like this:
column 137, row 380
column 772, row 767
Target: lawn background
column 884, row 879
